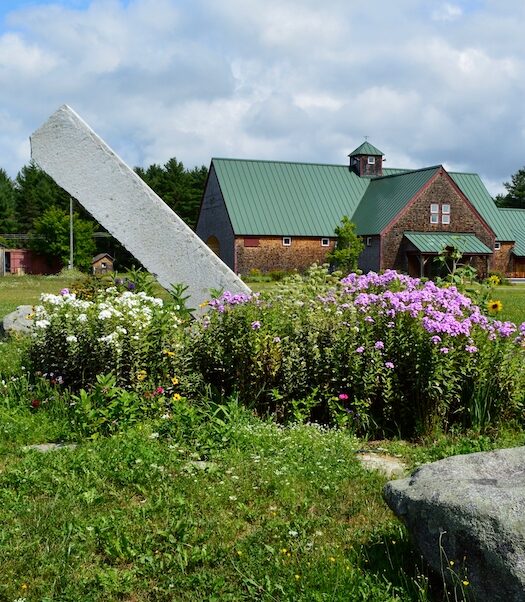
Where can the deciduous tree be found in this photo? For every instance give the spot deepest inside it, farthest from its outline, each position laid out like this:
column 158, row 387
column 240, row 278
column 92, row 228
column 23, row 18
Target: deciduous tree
column 348, row 247
column 52, row 237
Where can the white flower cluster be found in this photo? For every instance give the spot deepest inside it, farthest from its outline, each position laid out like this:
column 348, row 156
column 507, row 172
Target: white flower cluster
column 112, row 322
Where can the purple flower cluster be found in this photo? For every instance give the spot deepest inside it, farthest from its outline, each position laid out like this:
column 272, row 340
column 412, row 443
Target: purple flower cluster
column 442, row 311
column 229, row 299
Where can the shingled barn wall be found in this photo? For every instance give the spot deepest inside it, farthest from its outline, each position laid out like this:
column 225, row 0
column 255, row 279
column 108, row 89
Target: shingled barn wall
column 271, row 254
column 503, row 260
column 416, row 218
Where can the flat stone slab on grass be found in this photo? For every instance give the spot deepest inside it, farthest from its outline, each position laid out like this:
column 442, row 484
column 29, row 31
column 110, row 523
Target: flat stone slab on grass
column 67, row 149
column 47, row 447
column 469, row 510
column 390, row 466
column 19, row 320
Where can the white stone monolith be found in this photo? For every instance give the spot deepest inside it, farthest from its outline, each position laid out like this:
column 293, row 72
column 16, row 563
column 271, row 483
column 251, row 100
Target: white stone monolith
column 79, row 161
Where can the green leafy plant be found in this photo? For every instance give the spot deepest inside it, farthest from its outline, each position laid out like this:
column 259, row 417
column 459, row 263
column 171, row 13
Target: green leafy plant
column 348, row 247
column 132, row 335
column 105, row 408
column 381, row 354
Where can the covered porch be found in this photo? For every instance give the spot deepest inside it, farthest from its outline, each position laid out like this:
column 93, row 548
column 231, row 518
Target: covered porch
column 422, row 248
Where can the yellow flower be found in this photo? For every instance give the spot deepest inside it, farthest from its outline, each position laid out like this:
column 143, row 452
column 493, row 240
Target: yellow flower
column 176, row 397
column 494, row 280
column 332, row 559
column 24, row 586
column 203, row 304
column 169, row 353
column 451, row 562
column 465, row 582
column 494, row 306
column 175, row 380
column 298, row 576
column 141, row 374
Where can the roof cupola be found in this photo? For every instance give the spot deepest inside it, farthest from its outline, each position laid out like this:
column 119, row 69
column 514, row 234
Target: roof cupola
column 366, row 160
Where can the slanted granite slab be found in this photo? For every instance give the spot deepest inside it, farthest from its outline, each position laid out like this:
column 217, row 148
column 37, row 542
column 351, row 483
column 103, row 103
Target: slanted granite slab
column 469, row 510
column 67, row 149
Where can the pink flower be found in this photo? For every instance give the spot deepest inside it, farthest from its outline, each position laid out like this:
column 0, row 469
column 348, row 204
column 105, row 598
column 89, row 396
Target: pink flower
column 343, row 396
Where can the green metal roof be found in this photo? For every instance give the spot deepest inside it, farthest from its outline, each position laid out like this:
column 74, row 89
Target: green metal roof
column 366, row 149
column 276, row 198
column 385, row 197
column 288, row 199
column 435, row 242
column 473, row 188
column 514, row 219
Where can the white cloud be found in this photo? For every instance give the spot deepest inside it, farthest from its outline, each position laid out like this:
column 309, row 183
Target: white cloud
column 22, row 59
column 447, row 12
column 283, row 79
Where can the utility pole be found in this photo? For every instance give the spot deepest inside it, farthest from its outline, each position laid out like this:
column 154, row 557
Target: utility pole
column 70, row 233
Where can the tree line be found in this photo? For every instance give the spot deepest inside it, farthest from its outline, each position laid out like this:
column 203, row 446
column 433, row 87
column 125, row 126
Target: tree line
column 34, row 204
column 515, row 196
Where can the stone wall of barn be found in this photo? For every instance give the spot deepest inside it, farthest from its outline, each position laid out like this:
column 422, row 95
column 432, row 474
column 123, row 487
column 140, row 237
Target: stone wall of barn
column 503, row 260
column 268, row 253
column 416, row 217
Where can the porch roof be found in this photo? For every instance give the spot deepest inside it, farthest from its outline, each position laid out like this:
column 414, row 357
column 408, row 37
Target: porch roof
column 435, row 242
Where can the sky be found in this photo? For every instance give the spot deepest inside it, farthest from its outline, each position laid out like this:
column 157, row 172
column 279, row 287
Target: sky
column 427, row 82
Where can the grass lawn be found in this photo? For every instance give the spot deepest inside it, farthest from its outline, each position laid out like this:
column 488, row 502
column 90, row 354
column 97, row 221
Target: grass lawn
column 222, row 507
column 209, row 503
column 26, row 290
column 513, row 300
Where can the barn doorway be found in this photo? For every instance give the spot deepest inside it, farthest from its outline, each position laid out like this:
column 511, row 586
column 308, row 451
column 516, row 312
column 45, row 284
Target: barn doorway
column 214, row 245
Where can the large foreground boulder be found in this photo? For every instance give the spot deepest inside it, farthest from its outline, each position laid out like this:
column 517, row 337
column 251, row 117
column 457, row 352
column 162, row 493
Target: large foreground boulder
column 467, row 516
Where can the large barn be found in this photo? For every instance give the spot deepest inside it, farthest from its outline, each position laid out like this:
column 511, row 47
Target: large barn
column 275, row 215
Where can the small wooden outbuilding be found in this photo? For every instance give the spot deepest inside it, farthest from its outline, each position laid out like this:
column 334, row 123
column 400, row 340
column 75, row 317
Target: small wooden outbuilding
column 102, row 263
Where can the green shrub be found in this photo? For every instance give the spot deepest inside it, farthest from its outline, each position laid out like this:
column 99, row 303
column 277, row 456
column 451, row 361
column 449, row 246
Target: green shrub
column 133, row 336
column 379, row 354
column 105, row 408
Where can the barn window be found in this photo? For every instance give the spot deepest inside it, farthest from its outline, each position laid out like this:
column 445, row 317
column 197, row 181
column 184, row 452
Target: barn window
column 445, row 219
column 325, row 242
column 287, row 241
column 368, row 241
column 434, row 213
column 371, row 160
column 497, row 246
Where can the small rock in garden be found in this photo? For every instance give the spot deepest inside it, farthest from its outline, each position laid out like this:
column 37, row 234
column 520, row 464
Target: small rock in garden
column 467, row 516
column 389, row 466
column 201, row 465
column 20, row 320
column 47, row 447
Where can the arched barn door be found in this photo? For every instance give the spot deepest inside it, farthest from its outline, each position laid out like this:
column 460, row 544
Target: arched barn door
column 214, row 245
